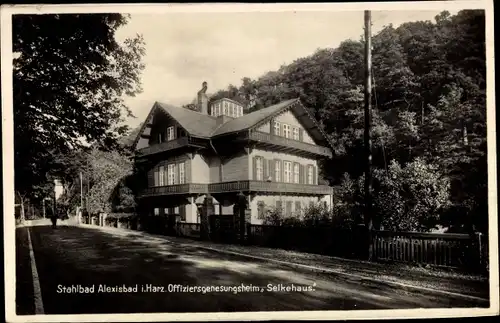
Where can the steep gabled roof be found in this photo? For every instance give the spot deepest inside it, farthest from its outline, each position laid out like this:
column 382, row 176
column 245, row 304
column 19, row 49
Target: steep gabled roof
column 249, row 120
column 195, row 123
column 257, row 118
column 205, row 126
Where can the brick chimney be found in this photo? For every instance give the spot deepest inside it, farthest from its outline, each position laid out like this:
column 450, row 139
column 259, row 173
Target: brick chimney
column 203, row 99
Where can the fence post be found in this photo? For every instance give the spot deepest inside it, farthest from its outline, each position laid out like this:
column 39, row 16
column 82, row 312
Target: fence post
column 479, row 238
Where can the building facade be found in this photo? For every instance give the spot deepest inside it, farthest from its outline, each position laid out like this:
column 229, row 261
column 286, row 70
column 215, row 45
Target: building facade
column 271, row 156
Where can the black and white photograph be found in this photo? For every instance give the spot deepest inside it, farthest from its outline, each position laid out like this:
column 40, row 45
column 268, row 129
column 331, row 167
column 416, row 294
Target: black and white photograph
column 249, row 161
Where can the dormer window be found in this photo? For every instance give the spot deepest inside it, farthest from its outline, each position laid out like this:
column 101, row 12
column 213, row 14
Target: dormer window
column 161, row 137
column 170, row 133
column 295, row 133
column 225, row 107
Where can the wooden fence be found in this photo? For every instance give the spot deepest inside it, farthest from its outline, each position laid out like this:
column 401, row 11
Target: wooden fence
column 437, row 249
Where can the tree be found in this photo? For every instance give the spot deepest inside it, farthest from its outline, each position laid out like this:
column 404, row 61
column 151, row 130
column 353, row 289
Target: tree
column 429, row 110
column 410, row 198
column 70, row 79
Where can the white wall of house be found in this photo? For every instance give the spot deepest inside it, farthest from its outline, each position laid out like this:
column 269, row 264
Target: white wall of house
column 214, row 169
column 200, row 169
column 269, row 154
column 191, row 211
column 58, row 188
column 236, row 168
column 266, row 127
column 288, row 118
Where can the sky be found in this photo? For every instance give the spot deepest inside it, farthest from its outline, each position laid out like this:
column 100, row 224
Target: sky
column 185, row 49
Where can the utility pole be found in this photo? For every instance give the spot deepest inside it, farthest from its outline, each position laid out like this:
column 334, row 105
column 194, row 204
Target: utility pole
column 81, row 190
column 367, row 141
column 81, row 196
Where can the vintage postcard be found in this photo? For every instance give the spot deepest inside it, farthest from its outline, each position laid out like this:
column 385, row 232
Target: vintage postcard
column 209, row 162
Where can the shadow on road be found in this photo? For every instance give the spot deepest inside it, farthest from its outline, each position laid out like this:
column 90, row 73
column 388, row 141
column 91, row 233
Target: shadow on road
column 69, row 255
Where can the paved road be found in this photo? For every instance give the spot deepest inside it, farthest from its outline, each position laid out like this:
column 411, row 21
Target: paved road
column 87, row 257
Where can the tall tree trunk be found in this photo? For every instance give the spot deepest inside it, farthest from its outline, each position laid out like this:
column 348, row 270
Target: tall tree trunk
column 464, row 134
column 423, row 113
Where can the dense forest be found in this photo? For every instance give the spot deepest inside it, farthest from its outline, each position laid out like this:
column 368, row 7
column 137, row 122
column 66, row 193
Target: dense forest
column 428, row 120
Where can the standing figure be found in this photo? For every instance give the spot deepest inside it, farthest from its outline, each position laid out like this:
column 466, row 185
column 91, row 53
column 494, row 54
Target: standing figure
column 53, row 218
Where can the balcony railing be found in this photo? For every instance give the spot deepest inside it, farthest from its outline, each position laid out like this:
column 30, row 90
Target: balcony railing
column 270, row 187
column 169, row 145
column 175, row 189
column 289, row 143
column 237, row 186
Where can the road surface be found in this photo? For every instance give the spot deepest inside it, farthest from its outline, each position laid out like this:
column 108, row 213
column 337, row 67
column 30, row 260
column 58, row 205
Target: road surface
column 169, row 277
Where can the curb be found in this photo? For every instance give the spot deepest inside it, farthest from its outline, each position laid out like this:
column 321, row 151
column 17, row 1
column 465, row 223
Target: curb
column 308, row 267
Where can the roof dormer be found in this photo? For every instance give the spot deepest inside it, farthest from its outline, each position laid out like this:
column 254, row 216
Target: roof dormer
column 226, row 108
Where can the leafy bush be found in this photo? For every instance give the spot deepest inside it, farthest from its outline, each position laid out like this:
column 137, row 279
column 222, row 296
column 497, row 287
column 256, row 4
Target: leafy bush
column 410, row 198
column 314, row 215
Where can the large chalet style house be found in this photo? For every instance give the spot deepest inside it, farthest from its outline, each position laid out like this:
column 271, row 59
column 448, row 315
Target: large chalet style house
column 270, row 155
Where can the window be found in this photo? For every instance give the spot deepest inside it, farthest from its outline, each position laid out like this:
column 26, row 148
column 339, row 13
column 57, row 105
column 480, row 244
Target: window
column 261, row 209
column 160, row 137
column 156, row 211
column 182, row 174
column 170, row 133
column 298, row 207
column 233, row 110
column 296, row 173
column 161, row 175
column 310, row 174
column 277, row 128
column 295, row 133
column 171, row 174
column 288, row 208
column 241, row 111
column 182, row 212
column 225, row 109
column 287, row 171
column 277, row 171
column 259, row 168
column 286, row 131
column 156, row 179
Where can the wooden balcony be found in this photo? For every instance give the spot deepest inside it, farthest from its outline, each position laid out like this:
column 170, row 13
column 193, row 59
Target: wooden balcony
column 237, row 186
column 190, row 188
column 270, row 187
column 170, row 145
column 287, row 144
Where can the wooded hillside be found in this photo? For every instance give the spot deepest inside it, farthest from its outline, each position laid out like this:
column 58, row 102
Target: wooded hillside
column 429, row 119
